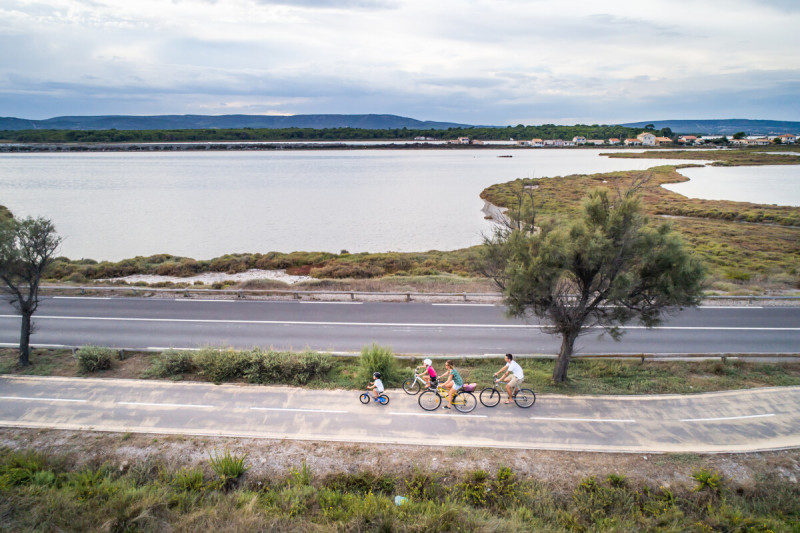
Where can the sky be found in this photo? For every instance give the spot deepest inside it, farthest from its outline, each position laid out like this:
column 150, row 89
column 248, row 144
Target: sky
column 494, row 62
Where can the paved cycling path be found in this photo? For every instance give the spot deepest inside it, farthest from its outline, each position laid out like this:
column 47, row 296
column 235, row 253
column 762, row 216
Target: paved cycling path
column 736, row 421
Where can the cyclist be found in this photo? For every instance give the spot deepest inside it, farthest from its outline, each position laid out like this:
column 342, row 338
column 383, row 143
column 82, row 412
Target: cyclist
column 376, row 386
column 430, row 373
column 453, row 384
column 517, row 376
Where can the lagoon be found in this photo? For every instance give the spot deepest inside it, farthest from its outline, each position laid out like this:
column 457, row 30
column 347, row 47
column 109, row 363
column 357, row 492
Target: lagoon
column 114, row 205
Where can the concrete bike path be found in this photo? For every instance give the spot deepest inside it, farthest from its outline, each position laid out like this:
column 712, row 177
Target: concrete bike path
column 733, row 421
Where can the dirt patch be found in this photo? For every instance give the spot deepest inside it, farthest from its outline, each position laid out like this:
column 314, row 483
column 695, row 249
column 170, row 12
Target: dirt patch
column 269, row 459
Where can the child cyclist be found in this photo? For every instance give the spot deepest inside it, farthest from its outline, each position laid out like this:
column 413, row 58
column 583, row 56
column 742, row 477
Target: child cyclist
column 453, row 384
column 429, row 374
column 376, row 386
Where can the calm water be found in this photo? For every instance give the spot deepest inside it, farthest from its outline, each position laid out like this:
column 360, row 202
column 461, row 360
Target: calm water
column 762, row 185
column 203, row 205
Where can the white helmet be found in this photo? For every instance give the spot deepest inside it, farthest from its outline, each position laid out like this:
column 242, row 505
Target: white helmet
column 428, row 362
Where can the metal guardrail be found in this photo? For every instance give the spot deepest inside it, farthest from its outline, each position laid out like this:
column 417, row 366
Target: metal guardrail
column 298, row 294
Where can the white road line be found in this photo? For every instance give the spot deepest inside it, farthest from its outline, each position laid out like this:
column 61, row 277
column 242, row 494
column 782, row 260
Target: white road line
column 39, row 399
column 16, row 345
column 295, row 410
column 725, row 418
column 386, row 324
column 730, row 307
column 81, row 298
column 619, row 420
column 146, row 404
column 465, row 305
column 433, row 414
column 198, row 300
column 331, row 303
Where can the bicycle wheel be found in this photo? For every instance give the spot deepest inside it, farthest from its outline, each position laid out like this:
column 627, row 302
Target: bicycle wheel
column 525, row 397
column 490, row 397
column 429, row 400
column 465, row 402
column 383, row 399
column 411, row 386
column 364, row 397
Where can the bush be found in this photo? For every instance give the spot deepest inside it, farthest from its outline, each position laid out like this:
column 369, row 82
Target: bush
column 221, row 365
column 94, row 358
column 378, row 359
column 228, row 467
column 258, row 366
column 171, row 363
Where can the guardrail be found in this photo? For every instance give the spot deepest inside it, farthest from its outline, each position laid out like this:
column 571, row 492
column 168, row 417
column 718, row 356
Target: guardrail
column 352, row 295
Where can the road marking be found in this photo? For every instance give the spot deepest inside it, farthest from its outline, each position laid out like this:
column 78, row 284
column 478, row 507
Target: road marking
column 725, row 418
column 198, row 300
column 387, row 324
column 81, row 298
column 465, row 305
column 619, row 420
column 332, row 303
column 433, row 414
column 167, row 404
column 730, row 307
column 295, row 410
column 39, row 399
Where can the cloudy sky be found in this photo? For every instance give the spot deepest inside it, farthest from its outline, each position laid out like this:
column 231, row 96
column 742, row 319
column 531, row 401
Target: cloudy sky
column 494, row 62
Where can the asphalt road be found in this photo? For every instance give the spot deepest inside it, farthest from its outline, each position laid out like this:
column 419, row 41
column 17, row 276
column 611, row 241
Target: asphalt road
column 736, row 421
column 420, row 328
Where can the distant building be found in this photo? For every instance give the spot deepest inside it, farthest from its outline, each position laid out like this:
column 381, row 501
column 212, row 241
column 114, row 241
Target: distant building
column 578, row 139
column 788, row 138
column 687, row 139
column 633, row 142
column 663, row 140
column 647, row 138
column 463, row 140
column 613, row 140
column 524, row 143
column 596, row 142
column 537, row 143
column 549, row 142
column 558, row 142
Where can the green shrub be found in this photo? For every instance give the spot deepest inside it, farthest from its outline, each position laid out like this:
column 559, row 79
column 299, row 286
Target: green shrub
column 378, row 359
column 707, row 480
column 221, row 365
column 171, row 363
column 361, row 483
column 94, row 358
column 188, row 480
column 227, row 466
column 20, row 468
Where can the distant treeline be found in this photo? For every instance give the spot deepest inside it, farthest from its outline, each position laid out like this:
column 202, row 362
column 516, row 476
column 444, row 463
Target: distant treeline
column 546, row 131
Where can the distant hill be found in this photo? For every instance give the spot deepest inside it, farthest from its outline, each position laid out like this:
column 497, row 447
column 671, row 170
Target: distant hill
column 723, row 127
column 192, row 122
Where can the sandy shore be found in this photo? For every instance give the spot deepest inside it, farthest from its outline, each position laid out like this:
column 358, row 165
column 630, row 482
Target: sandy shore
column 214, row 277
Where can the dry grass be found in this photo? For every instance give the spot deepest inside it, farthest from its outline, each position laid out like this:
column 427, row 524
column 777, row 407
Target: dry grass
column 751, row 246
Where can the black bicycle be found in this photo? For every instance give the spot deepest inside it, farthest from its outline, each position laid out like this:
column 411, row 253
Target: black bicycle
column 491, row 396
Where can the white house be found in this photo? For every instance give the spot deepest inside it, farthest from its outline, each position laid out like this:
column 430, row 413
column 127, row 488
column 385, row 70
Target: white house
column 596, row 142
column 578, row 139
column 613, row 140
column 788, row 138
column 633, row 142
column 558, row 142
column 537, row 143
column 647, row 138
column 687, row 139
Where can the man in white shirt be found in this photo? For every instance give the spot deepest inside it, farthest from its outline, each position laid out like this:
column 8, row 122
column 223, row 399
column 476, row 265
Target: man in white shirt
column 517, row 375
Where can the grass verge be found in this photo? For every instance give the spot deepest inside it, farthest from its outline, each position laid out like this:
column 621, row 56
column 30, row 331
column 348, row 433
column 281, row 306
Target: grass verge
column 49, row 492
column 323, row 371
